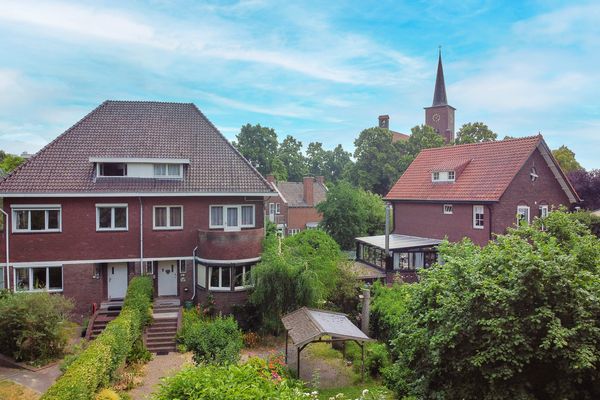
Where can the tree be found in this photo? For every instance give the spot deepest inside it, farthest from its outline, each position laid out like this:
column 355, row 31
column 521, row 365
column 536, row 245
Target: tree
column 422, row 137
column 337, row 161
column 296, row 271
column 259, row 145
column 475, row 132
column 349, row 212
column 290, row 154
column 587, row 185
column 316, row 159
column 10, row 162
column 516, row 319
column 378, row 163
column 278, row 170
column 566, row 159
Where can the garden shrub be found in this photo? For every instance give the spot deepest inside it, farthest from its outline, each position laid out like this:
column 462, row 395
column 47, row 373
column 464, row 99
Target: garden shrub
column 33, row 325
column 107, row 394
column 217, row 340
column 377, row 357
column 249, row 381
column 97, row 364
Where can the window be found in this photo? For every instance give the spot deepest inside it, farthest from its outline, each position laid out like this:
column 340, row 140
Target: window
column 1, row 277
column 232, row 217
column 271, row 208
column 523, row 215
column 436, row 176
column 168, row 217
column 450, row 175
column 277, row 208
column 220, row 278
column 38, row 279
column 448, row 209
column 111, row 217
column 443, row 176
column 36, row 218
column 544, row 210
column 201, row 275
column 182, row 266
column 478, row 217
column 241, row 277
column 112, row 169
column 167, row 170
column 293, row 231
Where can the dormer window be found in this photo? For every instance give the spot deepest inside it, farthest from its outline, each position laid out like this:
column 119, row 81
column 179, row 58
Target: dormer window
column 443, row 176
column 167, row 170
column 113, row 169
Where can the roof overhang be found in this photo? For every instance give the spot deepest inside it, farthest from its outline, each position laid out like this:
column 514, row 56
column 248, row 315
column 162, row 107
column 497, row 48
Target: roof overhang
column 140, row 160
column 558, row 172
column 141, row 194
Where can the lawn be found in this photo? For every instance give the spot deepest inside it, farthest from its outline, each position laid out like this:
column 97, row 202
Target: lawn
column 353, row 392
column 12, row 391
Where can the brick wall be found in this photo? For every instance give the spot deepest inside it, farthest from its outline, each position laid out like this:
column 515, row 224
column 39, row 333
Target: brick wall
column 298, row 217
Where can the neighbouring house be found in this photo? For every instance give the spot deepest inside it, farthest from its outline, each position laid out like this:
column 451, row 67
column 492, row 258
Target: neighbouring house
column 294, row 207
column 467, row 191
column 135, row 188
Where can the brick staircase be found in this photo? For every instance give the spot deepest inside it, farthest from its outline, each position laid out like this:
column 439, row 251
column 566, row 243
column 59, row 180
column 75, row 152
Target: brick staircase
column 108, row 311
column 160, row 335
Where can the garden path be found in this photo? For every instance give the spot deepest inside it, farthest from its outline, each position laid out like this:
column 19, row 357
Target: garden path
column 158, row 368
column 39, row 381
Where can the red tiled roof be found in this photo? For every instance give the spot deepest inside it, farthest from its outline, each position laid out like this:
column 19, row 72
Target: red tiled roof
column 485, row 177
column 293, row 192
column 397, row 136
column 133, row 129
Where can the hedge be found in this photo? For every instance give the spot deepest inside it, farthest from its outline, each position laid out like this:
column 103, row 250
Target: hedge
column 96, row 365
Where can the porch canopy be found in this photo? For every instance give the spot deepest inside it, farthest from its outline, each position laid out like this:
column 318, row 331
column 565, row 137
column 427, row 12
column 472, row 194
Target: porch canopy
column 399, row 242
column 307, row 325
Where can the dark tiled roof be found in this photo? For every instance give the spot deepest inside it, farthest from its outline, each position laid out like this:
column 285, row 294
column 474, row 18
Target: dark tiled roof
column 131, row 129
column 293, row 192
column 489, row 168
column 397, row 136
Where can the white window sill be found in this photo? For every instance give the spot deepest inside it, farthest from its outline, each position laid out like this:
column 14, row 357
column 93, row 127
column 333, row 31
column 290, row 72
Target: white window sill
column 216, row 289
column 478, row 227
column 167, row 228
column 39, row 291
column 112, row 229
column 40, row 231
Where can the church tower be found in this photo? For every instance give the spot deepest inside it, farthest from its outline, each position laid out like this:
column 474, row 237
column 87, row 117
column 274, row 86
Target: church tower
column 440, row 116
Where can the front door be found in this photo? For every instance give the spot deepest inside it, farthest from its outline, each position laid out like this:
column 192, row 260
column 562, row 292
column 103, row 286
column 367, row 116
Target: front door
column 117, row 280
column 167, row 278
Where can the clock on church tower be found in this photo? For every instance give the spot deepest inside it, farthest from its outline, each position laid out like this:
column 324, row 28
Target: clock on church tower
column 440, row 116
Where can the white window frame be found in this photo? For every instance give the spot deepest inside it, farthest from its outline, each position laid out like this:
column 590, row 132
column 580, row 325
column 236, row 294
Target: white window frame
column 435, row 176
column 544, row 210
column 246, row 276
column 443, row 176
column 519, row 209
column 293, row 231
column 99, row 170
column 219, row 288
column 112, row 206
column 224, row 218
column 168, row 227
column 476, row 208
column 448, row 209
column 167, row 175
column 453, row 176
column 30, row 273
column 35, row 207
column 277, row 208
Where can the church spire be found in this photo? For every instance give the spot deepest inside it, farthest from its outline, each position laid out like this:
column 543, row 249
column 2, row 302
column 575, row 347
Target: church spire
column 439, row 96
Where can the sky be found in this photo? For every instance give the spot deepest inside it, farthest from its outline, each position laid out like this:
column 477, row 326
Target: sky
column 319, row 71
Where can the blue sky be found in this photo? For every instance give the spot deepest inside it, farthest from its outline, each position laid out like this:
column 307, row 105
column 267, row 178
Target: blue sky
column 320, row 71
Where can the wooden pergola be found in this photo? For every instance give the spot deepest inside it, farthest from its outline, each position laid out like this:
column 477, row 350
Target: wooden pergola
column 306, row 325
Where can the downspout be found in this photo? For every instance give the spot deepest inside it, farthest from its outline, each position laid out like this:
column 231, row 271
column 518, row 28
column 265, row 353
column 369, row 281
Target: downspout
column 194, row 271
column 141, row 237
column 491, row 230
column 388, row 263
column 6, row 231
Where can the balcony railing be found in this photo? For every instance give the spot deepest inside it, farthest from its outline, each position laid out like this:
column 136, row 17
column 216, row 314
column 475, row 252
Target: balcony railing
column 230, row 245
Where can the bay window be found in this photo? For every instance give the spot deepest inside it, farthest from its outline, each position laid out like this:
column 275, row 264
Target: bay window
column 168, row 217
column 111, row 217
column 36, row 218
column 232, row 217
column 29, row 279
column 241, row 278
column 219, row 278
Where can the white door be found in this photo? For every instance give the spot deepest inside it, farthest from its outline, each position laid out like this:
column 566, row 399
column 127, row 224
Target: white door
column 167, row 278
column 117, row 280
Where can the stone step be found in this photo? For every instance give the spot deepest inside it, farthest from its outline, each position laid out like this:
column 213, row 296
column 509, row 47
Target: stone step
column 161, row 334
column 160, row 342
column 163, row 350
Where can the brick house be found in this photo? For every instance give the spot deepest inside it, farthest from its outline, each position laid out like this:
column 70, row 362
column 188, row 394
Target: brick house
column 135, row 188
column 474, row 191
column 293, row 209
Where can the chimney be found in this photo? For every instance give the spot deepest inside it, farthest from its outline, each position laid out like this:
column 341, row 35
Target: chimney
column 308, row 190
column 320, row 179
column 384, row 121
column 271, row 178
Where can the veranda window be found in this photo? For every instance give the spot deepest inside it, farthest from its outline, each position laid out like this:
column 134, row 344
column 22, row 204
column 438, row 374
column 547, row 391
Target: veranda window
column 31, row 279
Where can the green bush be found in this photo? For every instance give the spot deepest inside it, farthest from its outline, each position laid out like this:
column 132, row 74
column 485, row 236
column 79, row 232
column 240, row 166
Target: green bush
column 32, row 325
column 216, row 341
column 253, row 380
column 376, row 357
column 97, row 364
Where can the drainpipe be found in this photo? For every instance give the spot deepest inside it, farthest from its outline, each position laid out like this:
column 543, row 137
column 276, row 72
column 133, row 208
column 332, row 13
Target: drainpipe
column 141, row 236
column 387, row 237
column 194, row 271
column 7, row 247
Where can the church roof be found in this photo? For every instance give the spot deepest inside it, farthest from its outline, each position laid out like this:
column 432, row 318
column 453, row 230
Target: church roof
column 439, row 95
column 489, row 168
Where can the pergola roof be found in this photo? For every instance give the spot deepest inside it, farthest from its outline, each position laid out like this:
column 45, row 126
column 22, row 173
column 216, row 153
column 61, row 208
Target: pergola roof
column 399, row 242
column 305, row 325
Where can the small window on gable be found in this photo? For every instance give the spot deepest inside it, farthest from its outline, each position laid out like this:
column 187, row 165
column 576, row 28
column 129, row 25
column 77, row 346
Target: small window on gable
column 113, row 169
column 167, row 170
column 435, row 176
column 443, row 176
column 450, row 175
column 448, row 209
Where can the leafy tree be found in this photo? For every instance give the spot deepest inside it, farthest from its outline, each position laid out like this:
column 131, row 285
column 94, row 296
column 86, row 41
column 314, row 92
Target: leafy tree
column 10, row 162
column 278, row 170
column 296, row 271
column 587, row 185
column 290, row 154
column 316, row 159
column 422, row 137
column 475, row 132
column 259, row 145
column 378, row 163
column 566, row 159
column 517, row 319
column 349, row 212
column 337, row 161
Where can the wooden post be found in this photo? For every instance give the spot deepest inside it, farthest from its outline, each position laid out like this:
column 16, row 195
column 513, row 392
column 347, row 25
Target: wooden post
column 298, row 362
column 286, row 347
column 362, row 356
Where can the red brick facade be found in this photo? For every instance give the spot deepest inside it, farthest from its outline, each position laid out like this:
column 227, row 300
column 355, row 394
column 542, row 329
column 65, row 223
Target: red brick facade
column 427, row 219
